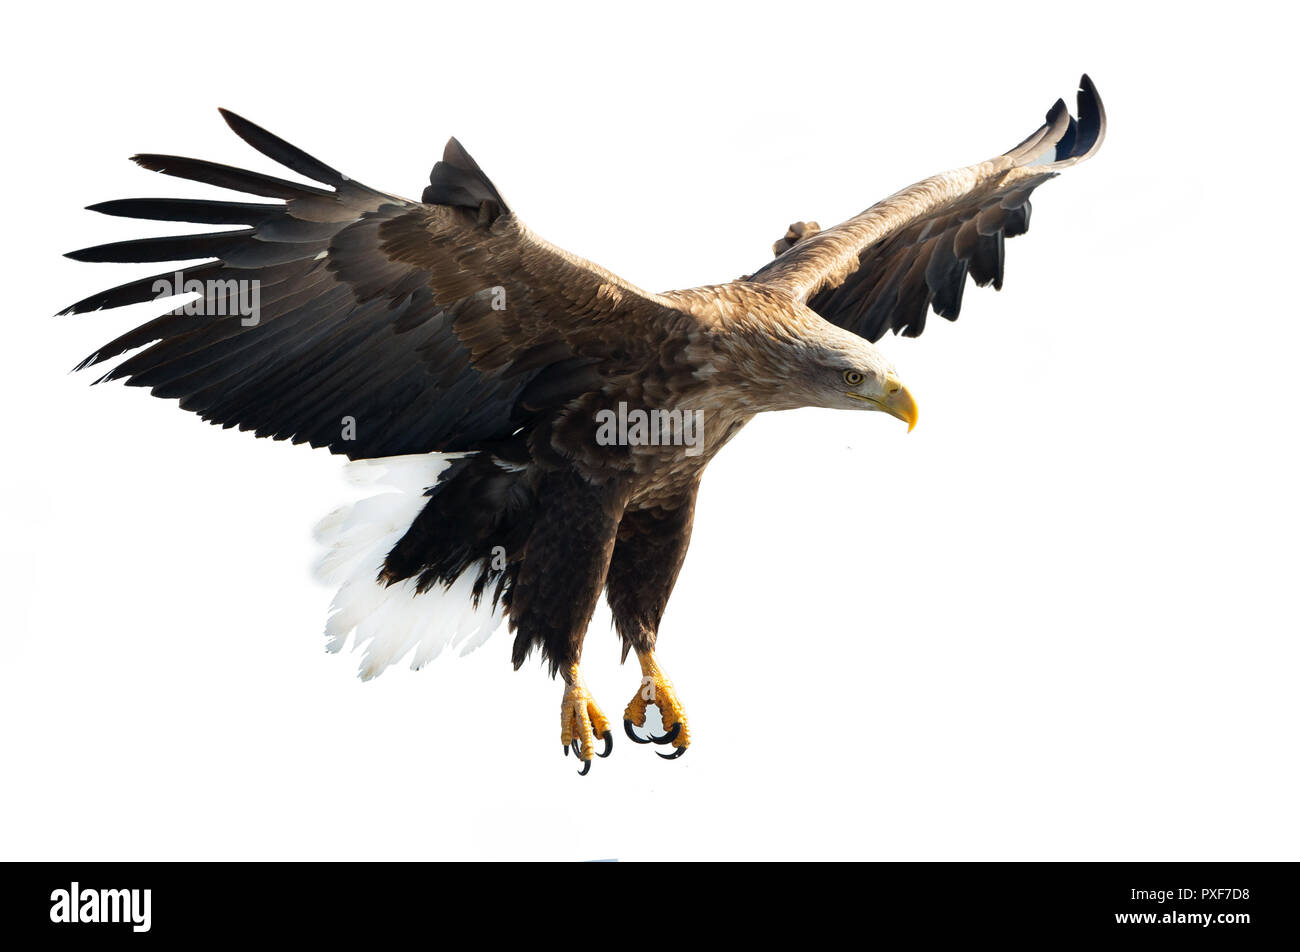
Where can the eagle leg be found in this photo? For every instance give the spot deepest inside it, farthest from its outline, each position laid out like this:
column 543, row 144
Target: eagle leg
column 582, row 723
column 657, row 690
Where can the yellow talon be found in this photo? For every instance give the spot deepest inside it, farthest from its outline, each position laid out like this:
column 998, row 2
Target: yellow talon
column 582, row 720
column 656, row 689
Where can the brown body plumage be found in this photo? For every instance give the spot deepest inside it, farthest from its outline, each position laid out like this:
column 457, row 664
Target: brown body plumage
column 446, row 326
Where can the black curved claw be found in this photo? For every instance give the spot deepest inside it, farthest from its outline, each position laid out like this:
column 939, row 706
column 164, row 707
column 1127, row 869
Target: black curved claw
column 586, row 766
column 577, row 751
column 674, row 755
column 669, row 737
column 566, row 749
column 609, row 745
column 627, row 726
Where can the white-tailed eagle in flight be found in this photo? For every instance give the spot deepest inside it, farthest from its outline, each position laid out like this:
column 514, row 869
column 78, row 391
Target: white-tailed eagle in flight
column 544, row 423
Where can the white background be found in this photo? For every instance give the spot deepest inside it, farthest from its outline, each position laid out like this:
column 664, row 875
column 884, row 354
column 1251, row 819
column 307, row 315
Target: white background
column 1057, row 621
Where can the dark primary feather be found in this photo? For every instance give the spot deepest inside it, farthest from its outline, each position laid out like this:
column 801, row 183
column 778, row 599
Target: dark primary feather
column 290, row 156
column 192, row 210
column 887, row 268
column 373, row 309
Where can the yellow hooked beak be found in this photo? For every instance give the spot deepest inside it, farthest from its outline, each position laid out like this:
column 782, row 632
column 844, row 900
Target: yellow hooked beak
column 900, row 404
column 897, row 401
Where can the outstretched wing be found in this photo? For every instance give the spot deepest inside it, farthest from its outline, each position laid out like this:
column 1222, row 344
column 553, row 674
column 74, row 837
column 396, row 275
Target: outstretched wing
column 345, row 317
column 887, row 267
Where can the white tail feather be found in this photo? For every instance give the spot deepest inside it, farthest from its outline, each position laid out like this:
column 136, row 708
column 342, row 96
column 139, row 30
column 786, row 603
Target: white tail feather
column 391, row 621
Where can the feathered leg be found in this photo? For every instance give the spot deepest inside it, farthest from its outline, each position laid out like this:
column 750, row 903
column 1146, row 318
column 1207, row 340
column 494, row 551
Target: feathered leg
column 651, row 546
column 559, row 581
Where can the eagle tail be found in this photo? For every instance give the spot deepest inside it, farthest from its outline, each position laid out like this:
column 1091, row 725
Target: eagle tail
column 410, row 580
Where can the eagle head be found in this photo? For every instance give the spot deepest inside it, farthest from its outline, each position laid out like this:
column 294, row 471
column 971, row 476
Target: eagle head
column 785, row 361
column 849, row 372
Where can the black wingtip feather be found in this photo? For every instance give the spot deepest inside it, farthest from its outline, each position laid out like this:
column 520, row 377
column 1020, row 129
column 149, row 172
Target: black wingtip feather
column 169, row 248
column 139, row 290
column 197, row 211
column 290, row 156
column 1054, row 113
column 1092, row 118
column 226, row 176
column 1065, row 145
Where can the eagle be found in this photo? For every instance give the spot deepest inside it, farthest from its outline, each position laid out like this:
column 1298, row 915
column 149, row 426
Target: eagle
column 539, row 425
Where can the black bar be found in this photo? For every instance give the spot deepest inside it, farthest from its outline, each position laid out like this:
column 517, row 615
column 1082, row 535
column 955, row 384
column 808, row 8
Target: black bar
column 1236, row 903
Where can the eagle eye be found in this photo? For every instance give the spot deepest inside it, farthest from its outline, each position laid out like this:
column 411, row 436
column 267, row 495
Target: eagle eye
column 853, row 378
